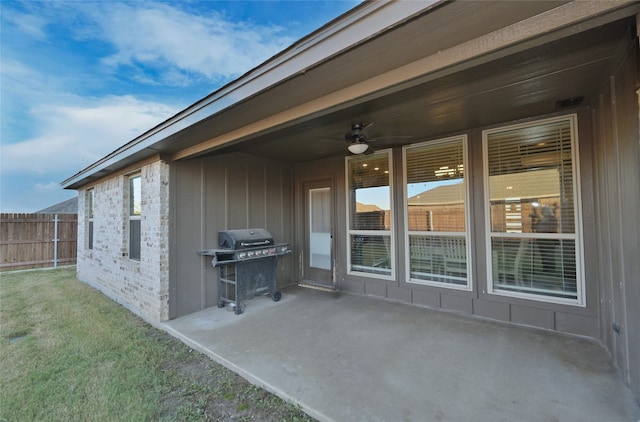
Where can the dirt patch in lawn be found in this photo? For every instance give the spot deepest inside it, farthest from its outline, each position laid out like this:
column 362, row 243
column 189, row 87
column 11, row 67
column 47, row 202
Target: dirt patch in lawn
column 204, row 390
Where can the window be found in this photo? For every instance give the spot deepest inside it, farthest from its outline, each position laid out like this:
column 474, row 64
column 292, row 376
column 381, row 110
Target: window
column 369, row 207
column 532, row 212
column 90, row 199
column 320, row 228
column 436, row 213
column 135, row 211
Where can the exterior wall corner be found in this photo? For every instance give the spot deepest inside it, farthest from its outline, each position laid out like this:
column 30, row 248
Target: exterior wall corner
column 141, row 286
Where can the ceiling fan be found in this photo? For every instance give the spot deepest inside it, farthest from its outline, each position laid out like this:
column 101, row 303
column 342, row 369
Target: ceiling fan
column 359, row 143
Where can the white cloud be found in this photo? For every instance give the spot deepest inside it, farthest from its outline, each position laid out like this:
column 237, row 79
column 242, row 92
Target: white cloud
column 14, row 69
column 169, row 43
column 56, row 54
column 29, row 24
column 73, row 136
column 47, row 187
column 21, row 82
column 158, row 35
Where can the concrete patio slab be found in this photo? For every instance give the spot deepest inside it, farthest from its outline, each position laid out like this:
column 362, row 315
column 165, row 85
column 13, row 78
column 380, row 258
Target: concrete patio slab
column 350, row 358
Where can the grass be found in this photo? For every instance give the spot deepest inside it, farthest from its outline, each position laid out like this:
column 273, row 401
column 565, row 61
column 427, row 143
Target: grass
column 67, row 352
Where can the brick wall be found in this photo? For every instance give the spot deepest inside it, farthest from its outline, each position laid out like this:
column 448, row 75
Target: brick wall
column 142, row 286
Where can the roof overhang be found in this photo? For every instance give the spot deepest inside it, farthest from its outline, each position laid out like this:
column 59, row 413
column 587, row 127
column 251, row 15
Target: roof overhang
column 324, row 81
column 362, row 22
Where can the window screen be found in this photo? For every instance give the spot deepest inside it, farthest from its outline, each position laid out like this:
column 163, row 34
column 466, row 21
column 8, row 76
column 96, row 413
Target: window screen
column 531, row 209
column 436, row 212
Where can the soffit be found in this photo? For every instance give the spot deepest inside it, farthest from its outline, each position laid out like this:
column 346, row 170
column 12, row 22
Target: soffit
column 410, row 41
column 514, row 87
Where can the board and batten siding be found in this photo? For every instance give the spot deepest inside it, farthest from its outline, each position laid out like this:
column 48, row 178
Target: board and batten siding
column 235, row 191
column 616, row 187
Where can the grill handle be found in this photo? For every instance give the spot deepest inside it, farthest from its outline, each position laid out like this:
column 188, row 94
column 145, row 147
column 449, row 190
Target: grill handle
column 260, row 243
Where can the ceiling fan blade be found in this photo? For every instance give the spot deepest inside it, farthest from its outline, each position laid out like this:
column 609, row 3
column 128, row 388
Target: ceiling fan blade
column 357, row 130
column 365, row 126
column 390, row 138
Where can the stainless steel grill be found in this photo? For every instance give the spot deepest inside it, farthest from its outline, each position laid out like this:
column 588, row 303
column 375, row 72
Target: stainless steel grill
column 246, row 262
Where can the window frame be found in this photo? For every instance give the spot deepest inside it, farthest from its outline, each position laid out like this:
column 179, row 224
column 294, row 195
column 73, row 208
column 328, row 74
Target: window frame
column 133, row 217
column 90, row 197
column 388, row 233
column 577, row 236
column 467, row 217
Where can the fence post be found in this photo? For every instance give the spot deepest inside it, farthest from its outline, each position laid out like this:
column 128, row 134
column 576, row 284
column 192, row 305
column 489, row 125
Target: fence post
column 55, row 241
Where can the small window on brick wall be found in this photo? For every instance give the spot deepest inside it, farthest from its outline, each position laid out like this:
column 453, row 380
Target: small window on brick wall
column 90, row 200
column 135, row 212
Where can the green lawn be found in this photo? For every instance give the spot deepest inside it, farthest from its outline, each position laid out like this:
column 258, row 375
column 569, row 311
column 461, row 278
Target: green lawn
column 67, row 352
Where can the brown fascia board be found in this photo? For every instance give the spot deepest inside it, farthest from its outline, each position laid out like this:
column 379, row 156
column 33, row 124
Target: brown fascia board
column 353, row 27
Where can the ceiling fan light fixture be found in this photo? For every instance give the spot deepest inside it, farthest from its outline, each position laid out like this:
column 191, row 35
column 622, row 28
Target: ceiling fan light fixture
column 357, row 147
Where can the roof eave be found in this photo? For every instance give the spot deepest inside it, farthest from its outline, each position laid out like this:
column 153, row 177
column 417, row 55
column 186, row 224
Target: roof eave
column 353, row 27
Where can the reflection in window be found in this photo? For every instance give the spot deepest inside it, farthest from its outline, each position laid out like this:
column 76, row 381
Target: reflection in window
column 370, row 214
column 436, row 212
column 532, row 210
column 135, row 194
column 135, row 211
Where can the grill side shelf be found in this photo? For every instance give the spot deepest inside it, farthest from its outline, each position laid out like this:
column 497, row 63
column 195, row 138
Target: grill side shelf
column 246, row 273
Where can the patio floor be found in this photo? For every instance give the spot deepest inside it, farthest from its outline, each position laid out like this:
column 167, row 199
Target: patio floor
column 343, row 357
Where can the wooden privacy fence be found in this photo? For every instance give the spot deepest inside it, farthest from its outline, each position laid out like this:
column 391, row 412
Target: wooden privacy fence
column 37, row 240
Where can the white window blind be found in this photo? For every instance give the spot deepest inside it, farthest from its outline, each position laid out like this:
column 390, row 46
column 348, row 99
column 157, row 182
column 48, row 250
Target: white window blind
column 370, row 214
column 436, row 213
column 532, row 210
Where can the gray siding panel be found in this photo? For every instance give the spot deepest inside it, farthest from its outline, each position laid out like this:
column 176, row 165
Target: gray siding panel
column 577, row 324
column 352, row 286
column 237, row 195
column 532, row 316
column 426, row 298
column 218, row 193
column 275, row 197
column 629, row 147
column 617, row 195
column 257, row 185
column 189, row 239
column 401, row 294
column 215, row 219
column 375, row 289
column 456, row 303
column 491, row 309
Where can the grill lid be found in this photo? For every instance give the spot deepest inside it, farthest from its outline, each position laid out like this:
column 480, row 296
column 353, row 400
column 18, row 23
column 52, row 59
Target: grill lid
column 244, row 238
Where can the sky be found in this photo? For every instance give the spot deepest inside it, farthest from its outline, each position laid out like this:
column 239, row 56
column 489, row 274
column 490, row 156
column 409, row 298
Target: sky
column 78, row 79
